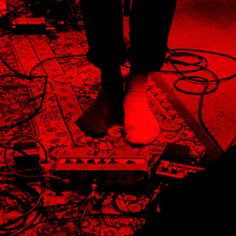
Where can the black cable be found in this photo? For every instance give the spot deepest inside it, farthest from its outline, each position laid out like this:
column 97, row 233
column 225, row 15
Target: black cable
column 62, row 206
column 12, row 223
column 141, row 213
column 26, row 226
column 27, row 77
column 205, row 82
column 41, row 175
column 200, row 65
column 30, row 137
column 11, row 226
column 19, row 202
column 43, row 94
column 186, row 51
column 17, row 73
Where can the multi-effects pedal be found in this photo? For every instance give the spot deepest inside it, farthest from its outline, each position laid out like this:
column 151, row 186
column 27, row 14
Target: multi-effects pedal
column 176, row 170
column 111, row 169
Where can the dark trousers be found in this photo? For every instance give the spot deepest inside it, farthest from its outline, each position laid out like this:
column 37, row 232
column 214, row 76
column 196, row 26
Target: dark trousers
column 150, row 22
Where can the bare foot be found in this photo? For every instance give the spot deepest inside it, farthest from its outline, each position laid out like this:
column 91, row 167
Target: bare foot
column 106, row 110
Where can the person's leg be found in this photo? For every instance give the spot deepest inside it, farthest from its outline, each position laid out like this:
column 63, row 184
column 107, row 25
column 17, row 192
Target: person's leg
column 103, row 22
column 104, row 29
column 150, row 23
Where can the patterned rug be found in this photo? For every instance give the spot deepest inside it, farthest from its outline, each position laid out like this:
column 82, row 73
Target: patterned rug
column 73, row 84
column 15, row 94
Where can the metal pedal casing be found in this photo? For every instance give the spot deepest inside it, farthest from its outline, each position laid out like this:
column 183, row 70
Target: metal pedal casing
column 111, row 170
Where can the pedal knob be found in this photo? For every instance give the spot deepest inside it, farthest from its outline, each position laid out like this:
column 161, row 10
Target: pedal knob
column 102, row 161
column 130, row 162
column 91, row 161
column 79, row 161
column 174, row 170
column 112, row 161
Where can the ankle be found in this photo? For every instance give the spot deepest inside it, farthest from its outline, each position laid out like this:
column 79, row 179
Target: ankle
column 112, row 79
column 136, row 83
